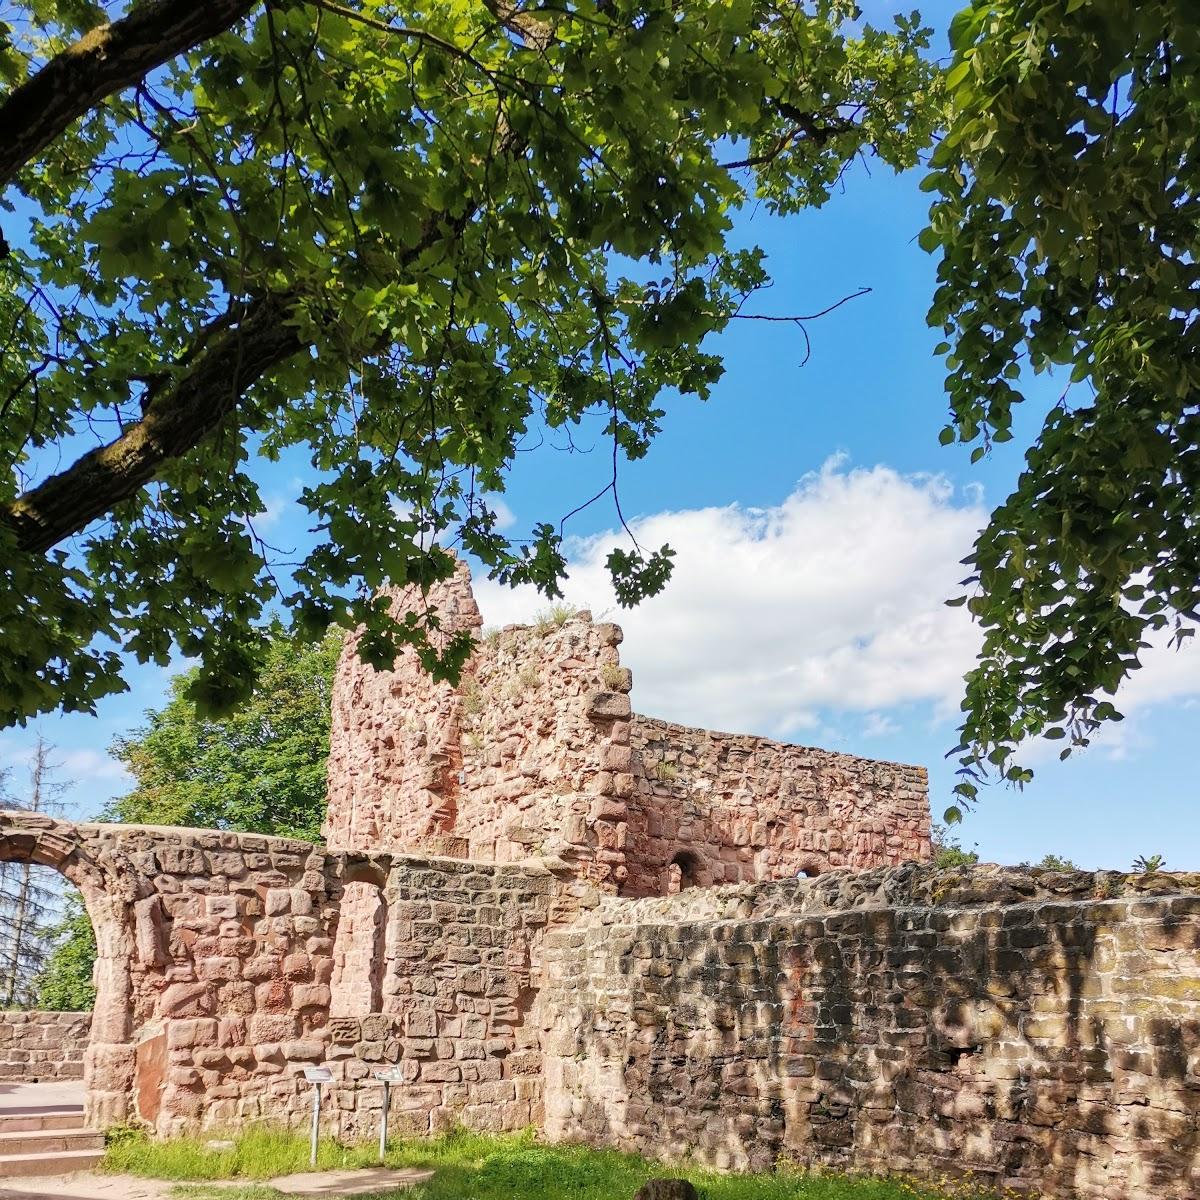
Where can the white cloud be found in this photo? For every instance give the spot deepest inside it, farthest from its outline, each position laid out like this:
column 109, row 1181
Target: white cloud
column 83, row 766
column 829, row 601
column 822, row 615
column 879, row 725
column 505, row 517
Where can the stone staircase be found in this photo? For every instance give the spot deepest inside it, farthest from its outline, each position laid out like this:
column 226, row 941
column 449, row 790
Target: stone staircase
column 47, row 1141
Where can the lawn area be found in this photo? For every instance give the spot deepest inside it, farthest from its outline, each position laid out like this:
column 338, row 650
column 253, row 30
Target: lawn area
column 473, row 1166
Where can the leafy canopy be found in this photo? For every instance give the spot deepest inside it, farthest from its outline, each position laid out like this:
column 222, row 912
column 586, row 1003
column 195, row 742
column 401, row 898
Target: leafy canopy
column 398, row 236
column 1067, row 216
column 259, row 770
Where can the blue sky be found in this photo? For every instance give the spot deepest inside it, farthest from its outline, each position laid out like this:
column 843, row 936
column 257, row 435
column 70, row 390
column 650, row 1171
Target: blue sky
column 819, row 526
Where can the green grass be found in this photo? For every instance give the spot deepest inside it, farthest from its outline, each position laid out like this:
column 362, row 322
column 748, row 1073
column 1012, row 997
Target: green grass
column 474, row 1166
column 261, row 1152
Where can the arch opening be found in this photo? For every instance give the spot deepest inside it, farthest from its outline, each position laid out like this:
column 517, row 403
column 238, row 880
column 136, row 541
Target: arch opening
column 683, row 872
column 81, row 970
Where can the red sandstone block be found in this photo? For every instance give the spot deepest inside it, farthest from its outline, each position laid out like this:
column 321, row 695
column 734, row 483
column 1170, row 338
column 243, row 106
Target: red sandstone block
column 219, row 968
column 271, row 1027
column 297, row 966
column 311, row 996
column 186, row 999
column 303, row 1050
column 190, row 1033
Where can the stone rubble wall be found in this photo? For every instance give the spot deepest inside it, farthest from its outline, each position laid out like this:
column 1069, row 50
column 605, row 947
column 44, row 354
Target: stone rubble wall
column 527, row 757
column 395, row 746
column 37, row 1047
column 546, row 748
column 216, row 955
column 747, row 808
column 536, row 753
column 1038, row 1029
column 1041, row 1030
column 462, row 957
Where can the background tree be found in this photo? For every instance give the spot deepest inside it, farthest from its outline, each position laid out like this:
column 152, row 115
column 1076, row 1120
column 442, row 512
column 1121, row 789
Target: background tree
column 1068, row 222
column 397, row 236
column 260, row 770
column 31, row 896
column 65, row 982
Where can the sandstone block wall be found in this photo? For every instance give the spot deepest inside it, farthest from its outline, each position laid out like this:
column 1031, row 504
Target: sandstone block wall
column 738, row 808
column 1039, row 1029
column 36, row 1047
column 395, row 747
column 1015, row 1024
column 527, row 757
column 537, row 754
column 460, row 969
column 216, row 975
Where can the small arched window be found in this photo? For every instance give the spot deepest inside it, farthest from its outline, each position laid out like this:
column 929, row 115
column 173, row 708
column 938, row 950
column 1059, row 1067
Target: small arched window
column 683, row 872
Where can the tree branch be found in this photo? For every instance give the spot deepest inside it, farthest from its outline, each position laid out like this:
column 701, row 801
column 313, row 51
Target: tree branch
column 107, row 58
column 180, row 413
column 806, row 128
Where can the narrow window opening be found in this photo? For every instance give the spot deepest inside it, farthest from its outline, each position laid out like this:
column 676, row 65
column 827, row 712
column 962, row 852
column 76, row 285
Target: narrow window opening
column 358, row 951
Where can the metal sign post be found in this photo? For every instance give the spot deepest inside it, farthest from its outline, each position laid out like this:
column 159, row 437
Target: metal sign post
column 316, row 1076
column 387, row 1076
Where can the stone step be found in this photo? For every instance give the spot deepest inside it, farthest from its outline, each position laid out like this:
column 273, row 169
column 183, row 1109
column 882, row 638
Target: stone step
column 50, row 1141
column 67, row 1117
column 63, row 1163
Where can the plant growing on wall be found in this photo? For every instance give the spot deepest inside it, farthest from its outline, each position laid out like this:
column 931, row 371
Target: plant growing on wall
column 947, row 850
column 1144, row 865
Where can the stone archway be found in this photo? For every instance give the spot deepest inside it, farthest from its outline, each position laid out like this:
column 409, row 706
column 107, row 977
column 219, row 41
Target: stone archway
column 109, row 1062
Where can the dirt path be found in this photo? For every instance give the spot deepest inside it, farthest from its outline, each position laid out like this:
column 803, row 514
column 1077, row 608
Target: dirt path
column 86, row 1186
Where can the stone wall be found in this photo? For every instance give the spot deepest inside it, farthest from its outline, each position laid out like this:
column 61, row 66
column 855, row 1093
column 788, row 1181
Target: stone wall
column 738, row 808
column 216, row 956
column 1041, row 1030
column 395, row 747
column 527, row 757
column 1038, row 1029
column 537, row 754
column 546, row 756
column 36, row 1047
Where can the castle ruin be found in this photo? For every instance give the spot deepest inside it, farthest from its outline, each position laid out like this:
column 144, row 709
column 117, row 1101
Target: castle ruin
column 546, row 909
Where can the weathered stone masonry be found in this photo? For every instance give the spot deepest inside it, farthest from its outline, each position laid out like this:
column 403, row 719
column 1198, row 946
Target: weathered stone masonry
column 1038, row 1028
column 40, row 1046
column 737, row 808
column 217, row 954
column 516, row 909
column 539, row 753
column 1003, row 1022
